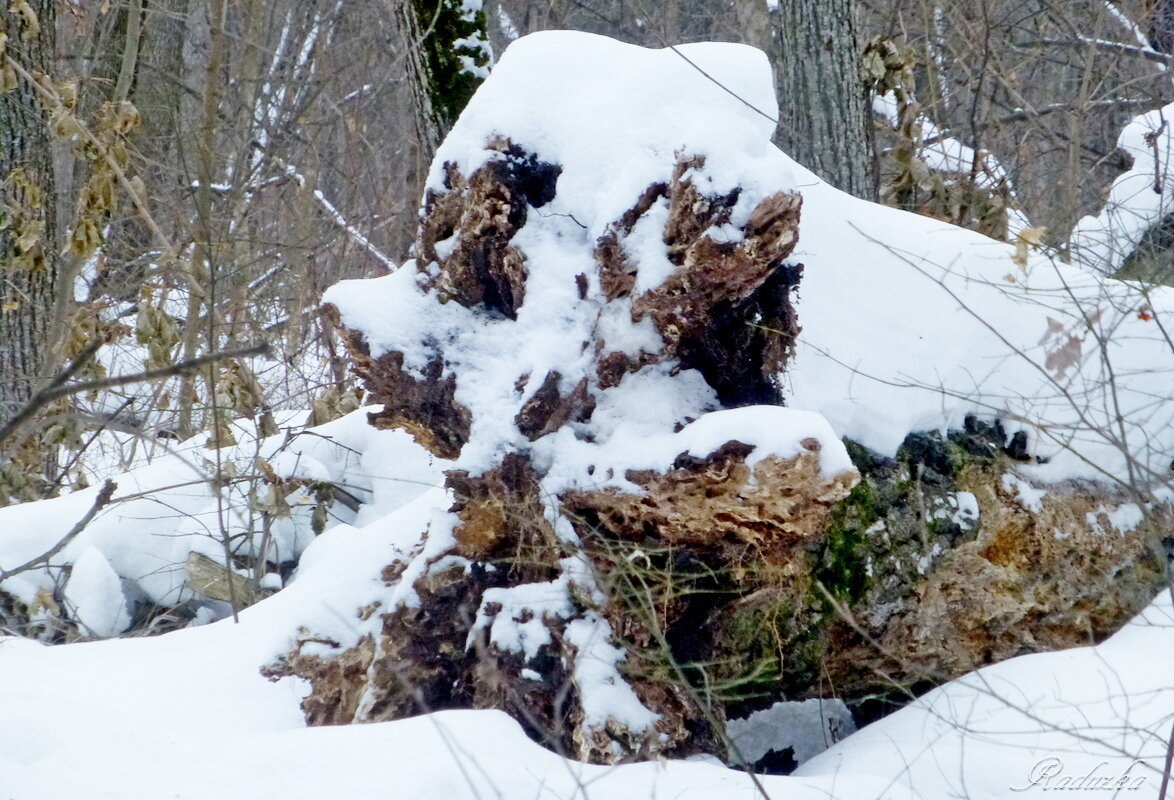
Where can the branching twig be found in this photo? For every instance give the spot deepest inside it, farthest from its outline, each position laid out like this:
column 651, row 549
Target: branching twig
column 59, row 388
column 1122, row 48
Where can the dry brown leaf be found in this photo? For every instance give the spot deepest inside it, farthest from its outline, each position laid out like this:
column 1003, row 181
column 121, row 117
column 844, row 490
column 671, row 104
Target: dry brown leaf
column 1028, row 237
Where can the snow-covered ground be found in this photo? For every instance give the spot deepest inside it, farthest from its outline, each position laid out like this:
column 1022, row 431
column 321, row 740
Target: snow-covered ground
column 136, row 547
column 188, row 715
column 909, row 324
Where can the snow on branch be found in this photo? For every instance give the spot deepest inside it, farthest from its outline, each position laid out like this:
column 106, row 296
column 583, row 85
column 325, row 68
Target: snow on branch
column 338, row 219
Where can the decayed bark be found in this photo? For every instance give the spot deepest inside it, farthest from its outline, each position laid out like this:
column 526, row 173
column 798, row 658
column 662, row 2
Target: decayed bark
column 720, row 505
column 485, row 212
column 746, row 523
column 1027, row 576
column 728, row 579
column 726, row 311
column 425, row 407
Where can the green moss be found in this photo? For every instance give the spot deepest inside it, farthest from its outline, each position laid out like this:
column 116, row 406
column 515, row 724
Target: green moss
column 749, row 656
column 842, row 563
column 450, row 84
column 768, row 651
column 862, row 458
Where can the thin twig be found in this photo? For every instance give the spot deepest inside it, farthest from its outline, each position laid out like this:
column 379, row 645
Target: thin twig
column 1169, row 763
column 58, row 388
column 1123, row 48
column 103, row 498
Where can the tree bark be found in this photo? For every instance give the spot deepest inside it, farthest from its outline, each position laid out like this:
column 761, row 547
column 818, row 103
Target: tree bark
column 429, row 125
column 29, row 247
column 1161, row 27
column 440, row 39
column 824, row 117
column 753, row 17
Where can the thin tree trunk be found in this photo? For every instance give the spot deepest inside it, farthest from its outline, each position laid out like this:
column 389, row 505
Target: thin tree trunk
column 439, row 38
column 754, row 24
column 203, row 267
column 824, row 119
column 28, row 226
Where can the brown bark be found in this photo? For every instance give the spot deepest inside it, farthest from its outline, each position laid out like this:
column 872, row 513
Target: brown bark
column 29, row 260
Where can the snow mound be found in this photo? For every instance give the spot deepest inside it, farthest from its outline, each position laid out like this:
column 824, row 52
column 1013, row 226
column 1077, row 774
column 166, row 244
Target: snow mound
column 568, row 101
column 133, row 551
column 908, row 324
column 95, row 593
column 1138, row 200
column 133, row 717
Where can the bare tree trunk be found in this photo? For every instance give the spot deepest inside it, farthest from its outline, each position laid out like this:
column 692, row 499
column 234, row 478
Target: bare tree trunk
column 28, row 226
column 824, row 119
column 1161, row 32
column 444, row 58
column 203, row 267
column 754, row 24
column 429, row 126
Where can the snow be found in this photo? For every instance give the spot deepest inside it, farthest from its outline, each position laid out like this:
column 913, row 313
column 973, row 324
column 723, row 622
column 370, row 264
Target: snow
column 605, row 694
column 1135, row 30
column 1126, row 517
column 166, row 509
column 962, row 330
column 561, row 93
column 146, row 717
column 1138, row 200
column 773, row 430
column 505, row 24
column 944, row 153
column 633, row 424
column 960, row 508
column 1094, row 709
column 806, row 727
column 94, row 595
column 1121, row 520
column 908, row 324
column 187, row 715
column 653, row 415
column 1027, row 495
column 517, row 615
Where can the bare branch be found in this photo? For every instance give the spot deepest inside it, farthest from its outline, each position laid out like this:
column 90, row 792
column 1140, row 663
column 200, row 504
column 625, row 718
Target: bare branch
column 58, row 388
column 100, row 502
column 1123, row 48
